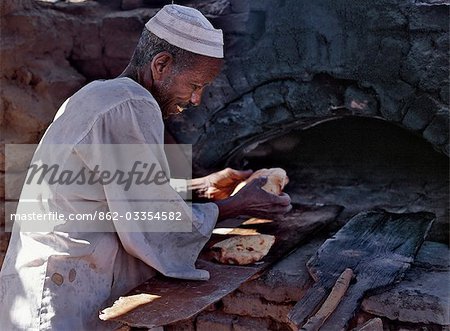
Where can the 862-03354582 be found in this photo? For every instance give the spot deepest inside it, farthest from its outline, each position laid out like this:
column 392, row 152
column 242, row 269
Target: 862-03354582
column 99, row 216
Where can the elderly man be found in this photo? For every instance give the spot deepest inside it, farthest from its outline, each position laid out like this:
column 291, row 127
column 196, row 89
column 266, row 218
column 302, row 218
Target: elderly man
column 60, row 279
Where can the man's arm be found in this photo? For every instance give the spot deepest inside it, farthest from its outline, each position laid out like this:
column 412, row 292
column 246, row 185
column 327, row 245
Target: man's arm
column 218, row 185
column 252, row 200
column 249, row 201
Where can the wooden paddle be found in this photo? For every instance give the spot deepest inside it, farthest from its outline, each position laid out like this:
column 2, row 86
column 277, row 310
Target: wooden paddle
column 377, row 246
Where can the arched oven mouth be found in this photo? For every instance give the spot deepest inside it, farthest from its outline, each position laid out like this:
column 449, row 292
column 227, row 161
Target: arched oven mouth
column 355, row 162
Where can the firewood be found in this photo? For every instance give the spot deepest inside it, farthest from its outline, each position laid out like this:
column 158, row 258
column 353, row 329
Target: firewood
column 332, row 301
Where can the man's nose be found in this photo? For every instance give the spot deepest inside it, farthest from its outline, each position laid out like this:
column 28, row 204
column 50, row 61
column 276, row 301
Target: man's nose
column 196, row 97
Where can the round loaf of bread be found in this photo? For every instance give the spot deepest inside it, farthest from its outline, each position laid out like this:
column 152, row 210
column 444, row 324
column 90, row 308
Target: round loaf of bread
column 277, row 179
column 243, row 250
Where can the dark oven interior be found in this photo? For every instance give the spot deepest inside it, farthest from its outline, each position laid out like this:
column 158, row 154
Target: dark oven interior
column 360, row 164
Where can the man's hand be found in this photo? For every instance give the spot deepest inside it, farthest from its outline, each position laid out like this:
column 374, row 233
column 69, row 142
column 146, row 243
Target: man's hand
column 218, row 185
column 253, row 201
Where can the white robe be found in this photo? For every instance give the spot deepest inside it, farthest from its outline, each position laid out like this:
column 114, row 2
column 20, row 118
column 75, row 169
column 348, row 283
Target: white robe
column 60, row 280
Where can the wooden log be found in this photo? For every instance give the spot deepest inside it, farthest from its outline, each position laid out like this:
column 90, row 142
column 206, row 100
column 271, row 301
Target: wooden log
column 330, row 304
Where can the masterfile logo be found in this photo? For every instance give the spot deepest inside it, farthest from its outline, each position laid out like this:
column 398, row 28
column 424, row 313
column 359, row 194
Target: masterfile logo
column 97, row 188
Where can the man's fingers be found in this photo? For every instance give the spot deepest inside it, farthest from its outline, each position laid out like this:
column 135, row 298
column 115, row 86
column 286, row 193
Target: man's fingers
column 245, row 173
column 261, row 181
column 240, row 174
column 284, row 199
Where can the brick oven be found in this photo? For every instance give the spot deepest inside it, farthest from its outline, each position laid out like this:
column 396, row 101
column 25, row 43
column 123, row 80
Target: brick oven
column 360, row 164
column 352, row 100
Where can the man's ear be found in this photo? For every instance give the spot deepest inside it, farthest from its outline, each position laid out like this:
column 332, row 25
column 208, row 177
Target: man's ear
column 161, row 65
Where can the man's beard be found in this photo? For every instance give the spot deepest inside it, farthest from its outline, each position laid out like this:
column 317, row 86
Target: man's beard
column 161, row 95
column 168, row 107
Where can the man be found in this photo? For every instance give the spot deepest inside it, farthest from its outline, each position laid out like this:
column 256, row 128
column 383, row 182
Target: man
column 60, row 279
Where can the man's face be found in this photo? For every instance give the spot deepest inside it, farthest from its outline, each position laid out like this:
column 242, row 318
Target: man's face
column 179, row 88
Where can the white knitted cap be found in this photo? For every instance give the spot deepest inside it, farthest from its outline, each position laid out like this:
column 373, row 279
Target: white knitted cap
column 188, row 29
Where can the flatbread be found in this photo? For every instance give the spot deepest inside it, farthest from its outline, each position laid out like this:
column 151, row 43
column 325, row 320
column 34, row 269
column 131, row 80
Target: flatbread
column 243, row 250
column 277, row 179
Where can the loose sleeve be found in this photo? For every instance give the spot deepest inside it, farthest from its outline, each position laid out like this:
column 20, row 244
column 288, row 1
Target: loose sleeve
column 153, row 222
